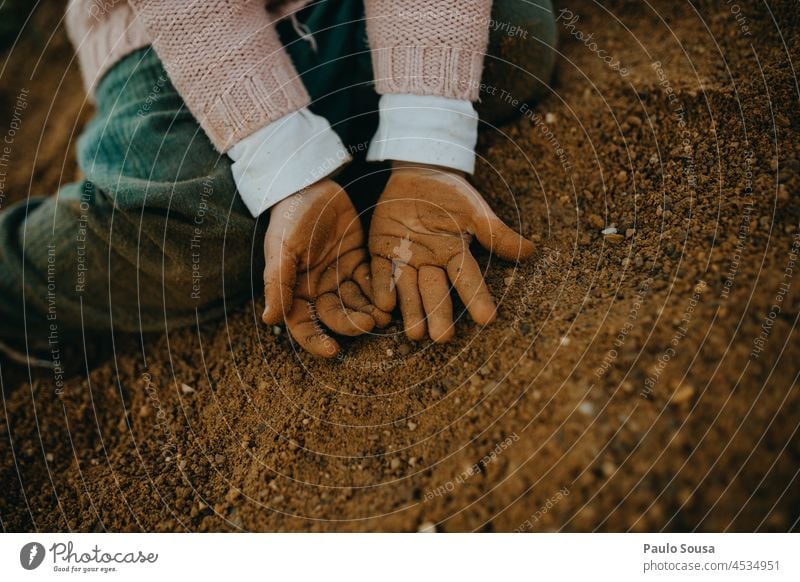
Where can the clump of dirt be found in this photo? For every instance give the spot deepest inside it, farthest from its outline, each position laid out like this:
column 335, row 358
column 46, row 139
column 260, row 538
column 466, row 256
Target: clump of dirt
column 641, row 374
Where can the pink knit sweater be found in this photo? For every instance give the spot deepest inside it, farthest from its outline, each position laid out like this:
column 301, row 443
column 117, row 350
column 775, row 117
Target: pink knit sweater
column 225, row 58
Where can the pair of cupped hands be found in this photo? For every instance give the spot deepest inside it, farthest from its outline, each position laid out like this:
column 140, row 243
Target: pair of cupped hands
column 319, row 276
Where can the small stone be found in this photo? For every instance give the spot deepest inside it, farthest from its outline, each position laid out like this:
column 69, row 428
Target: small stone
column 390, row 352
column 306, row 421
column 427, row 527
column 622, row 177
column 50, row 458
column 276, row 330
column 564, row 341
column 412, row 462
column 144, row 411
column 630, row 232
column 634, row 120
column 201, row 506
column 682, row 395
column 395, row 464
column 609, row 230
column 484, row 371
column 186, row 389
column 608, row 468
column 404, row 349
column 412, row 425
column 614, row 239
column 586, row 408
column 549, row 118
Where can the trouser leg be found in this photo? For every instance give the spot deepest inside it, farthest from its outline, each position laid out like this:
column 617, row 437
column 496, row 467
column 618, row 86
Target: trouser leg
column 154, row 236
column 521, row 58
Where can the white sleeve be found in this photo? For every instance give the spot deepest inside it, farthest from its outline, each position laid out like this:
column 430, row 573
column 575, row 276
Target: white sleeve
column 284, row 157
column 426, row 129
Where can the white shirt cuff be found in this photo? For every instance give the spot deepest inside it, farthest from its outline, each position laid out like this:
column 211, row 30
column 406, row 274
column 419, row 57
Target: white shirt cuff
column 284, row 157
column 426, row 129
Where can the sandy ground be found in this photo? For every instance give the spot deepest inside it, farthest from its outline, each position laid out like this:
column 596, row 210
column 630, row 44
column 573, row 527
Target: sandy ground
column 641, row 381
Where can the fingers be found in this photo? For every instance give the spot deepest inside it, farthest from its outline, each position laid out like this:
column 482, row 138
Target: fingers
column 383, row 293
column 467, row 278
column 280, row 276
column 306, row 330
column 340, row 318
column 410, row 302
column 364, row 280
column 494, row 235
column 435, row 292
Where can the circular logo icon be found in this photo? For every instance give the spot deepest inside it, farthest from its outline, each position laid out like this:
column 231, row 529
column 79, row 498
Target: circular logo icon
column 31, row 555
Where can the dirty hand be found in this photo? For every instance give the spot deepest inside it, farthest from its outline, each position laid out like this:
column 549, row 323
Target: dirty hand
column 317, row 270
column 419, row 239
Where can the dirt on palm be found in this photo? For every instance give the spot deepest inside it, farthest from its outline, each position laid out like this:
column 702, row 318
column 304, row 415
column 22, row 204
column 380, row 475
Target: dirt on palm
column 642, row 373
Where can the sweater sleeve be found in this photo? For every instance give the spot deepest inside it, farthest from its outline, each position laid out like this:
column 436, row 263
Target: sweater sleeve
column 425, row 47
column 226, row 60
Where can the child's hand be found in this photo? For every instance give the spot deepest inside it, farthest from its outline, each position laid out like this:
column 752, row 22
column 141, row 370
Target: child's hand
column 316, row 265
column 420, row 236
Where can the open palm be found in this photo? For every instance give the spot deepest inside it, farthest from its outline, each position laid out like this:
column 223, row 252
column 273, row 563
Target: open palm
column 419, row 239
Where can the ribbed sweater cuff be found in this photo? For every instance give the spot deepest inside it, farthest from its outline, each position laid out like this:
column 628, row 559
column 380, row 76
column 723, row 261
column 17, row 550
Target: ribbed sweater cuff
column 100, row 43
column 253, row 103
column 428, row 70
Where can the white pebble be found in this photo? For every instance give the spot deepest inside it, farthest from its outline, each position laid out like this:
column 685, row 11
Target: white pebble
column 427, row 527
column 550, row 118
column 609, row 230
column 186, row 389
column 586, row 408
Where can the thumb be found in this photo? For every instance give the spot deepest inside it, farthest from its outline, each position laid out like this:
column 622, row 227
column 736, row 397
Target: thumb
column 499, row 238
column 280, row 276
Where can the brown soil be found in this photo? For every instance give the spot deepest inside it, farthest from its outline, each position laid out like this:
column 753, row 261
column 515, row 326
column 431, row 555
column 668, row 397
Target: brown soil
column 226, row 428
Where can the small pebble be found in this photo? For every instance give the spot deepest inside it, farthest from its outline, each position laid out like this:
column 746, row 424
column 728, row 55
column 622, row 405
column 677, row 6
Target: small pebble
column 412, row 425
column 390, row 352
column 276, row 331
column 395, row 464
column 49, row 457
column 608, row 468
column 549, row 118
column 609, row 230
column 186, row 389
column 682, row 395
column 614, row 239
column 427, row 527
column 564, row 341
column 586, row 408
